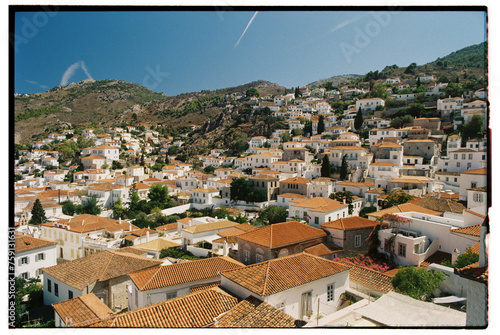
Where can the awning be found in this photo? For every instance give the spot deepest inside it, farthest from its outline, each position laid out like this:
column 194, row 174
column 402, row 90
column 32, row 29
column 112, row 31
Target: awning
column 448, row 300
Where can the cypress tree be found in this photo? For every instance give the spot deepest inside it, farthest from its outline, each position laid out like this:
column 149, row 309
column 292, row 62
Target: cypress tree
column 325, row 167
column 358, row 121
column 37, row 213
column 344, row 168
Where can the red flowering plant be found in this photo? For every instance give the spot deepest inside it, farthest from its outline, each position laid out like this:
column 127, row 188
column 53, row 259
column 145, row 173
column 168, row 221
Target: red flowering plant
column 371, row 263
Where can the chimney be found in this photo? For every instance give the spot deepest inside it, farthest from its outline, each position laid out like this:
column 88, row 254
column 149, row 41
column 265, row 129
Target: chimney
column 147, row 236
column 119, row 220
column 224, row 249
column 129, row 226
column 190, row 222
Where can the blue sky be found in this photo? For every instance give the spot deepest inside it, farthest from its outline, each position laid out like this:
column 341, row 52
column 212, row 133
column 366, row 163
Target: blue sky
column 175, row 52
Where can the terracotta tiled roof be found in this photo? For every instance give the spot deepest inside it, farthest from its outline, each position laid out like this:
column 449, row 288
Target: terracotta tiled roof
column 236, row 230
column 474, row 230
column 280, row 274
column 98, row 267
column 292, row 195
column 319, row 204
column 478, row 189
column 349, row 223
column 441, row 205
column 320, row 250
column 369, row 278
column 168, row 226
column 204, row 287
column 25, row 242
column 281, row 234
column 132, row 250
column 228, row 239
column 158, row 244
column 476, row 171
column 143, row 232
column 359, row 184
column 174, row 274
column 474, row 272
column 295, row 180
column 254, row 313
column 194, row 310
column 86, row 223
column 378, row 190
column 408, row 207
column 105, row 187
column 82, row 309
column 204, row 227
column 382, row 164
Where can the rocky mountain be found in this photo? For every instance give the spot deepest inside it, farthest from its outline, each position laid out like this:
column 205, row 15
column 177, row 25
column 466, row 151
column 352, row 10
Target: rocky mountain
column 107, row 103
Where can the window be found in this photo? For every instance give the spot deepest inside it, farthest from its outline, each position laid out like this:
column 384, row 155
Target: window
column 40, row 257
column 402, row 249
column 23, row 260
column 281, row 306
column 316, row 220
column 56, row 289
column 259, row 258
column 49, row 285
column 470, row 156
column 330, row 292
column 70, row 294
column 24, row 275
column 171, row 295
column 458, row 164
column 478, row 197
column 473, row 184
column 357, row 241
column 246, row 255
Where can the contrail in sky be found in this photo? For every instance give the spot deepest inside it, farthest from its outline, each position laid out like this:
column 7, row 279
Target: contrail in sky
column 345, row 23
column 244, row 31
column 70, row 71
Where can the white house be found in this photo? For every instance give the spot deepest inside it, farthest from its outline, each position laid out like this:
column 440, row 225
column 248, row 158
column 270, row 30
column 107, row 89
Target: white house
column 369, row 104
column 472, row 179
column 318, row 210
column 166, row 282
column 107, row 151
column 33, row 254
column 303, row 295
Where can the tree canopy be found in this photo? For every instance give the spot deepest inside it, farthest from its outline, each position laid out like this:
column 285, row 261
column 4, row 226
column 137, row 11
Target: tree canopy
column 37, row 213
column 272, row 214
column 417, row 283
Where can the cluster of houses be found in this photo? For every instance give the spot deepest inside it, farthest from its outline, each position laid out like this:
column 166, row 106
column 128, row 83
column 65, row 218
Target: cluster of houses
column 288, row 274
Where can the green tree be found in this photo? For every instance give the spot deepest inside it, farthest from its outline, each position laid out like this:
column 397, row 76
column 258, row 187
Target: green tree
column 68, row 208
column 325, row 166
column 286, row 137
column 472, row 129
column 341, row 196
column 411, row 69
column 397, row 197
column 240, row 188
column 465, row 259
column 344, row 168
column 158, row 196
column 37, row 213
column 91, row 206
column 417, row 283
column 209, row 169
column 133, row 204
column 321, row 124
column 118, row 209
column 272, row 214
column 252, row 92
column 379, row 91
column 358, row 121
column 297, row 93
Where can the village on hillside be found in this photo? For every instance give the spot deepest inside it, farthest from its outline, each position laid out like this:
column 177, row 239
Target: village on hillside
column 365, row 198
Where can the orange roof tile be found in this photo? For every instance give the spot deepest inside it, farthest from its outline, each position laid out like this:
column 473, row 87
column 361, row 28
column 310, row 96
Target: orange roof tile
column 370, row 278
column 180, row 273
column 82, row 309
column 474, row 230
column 295, row 180
column 280, row 274
column 86, row 223
column 24, row 242
column 281, row 234
column 254, row 313
column 476, row 171
column 98, row 267
column 408, row 207
column 350, row 223
column 194, row 310
column 318, row 204
column 320, row 250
